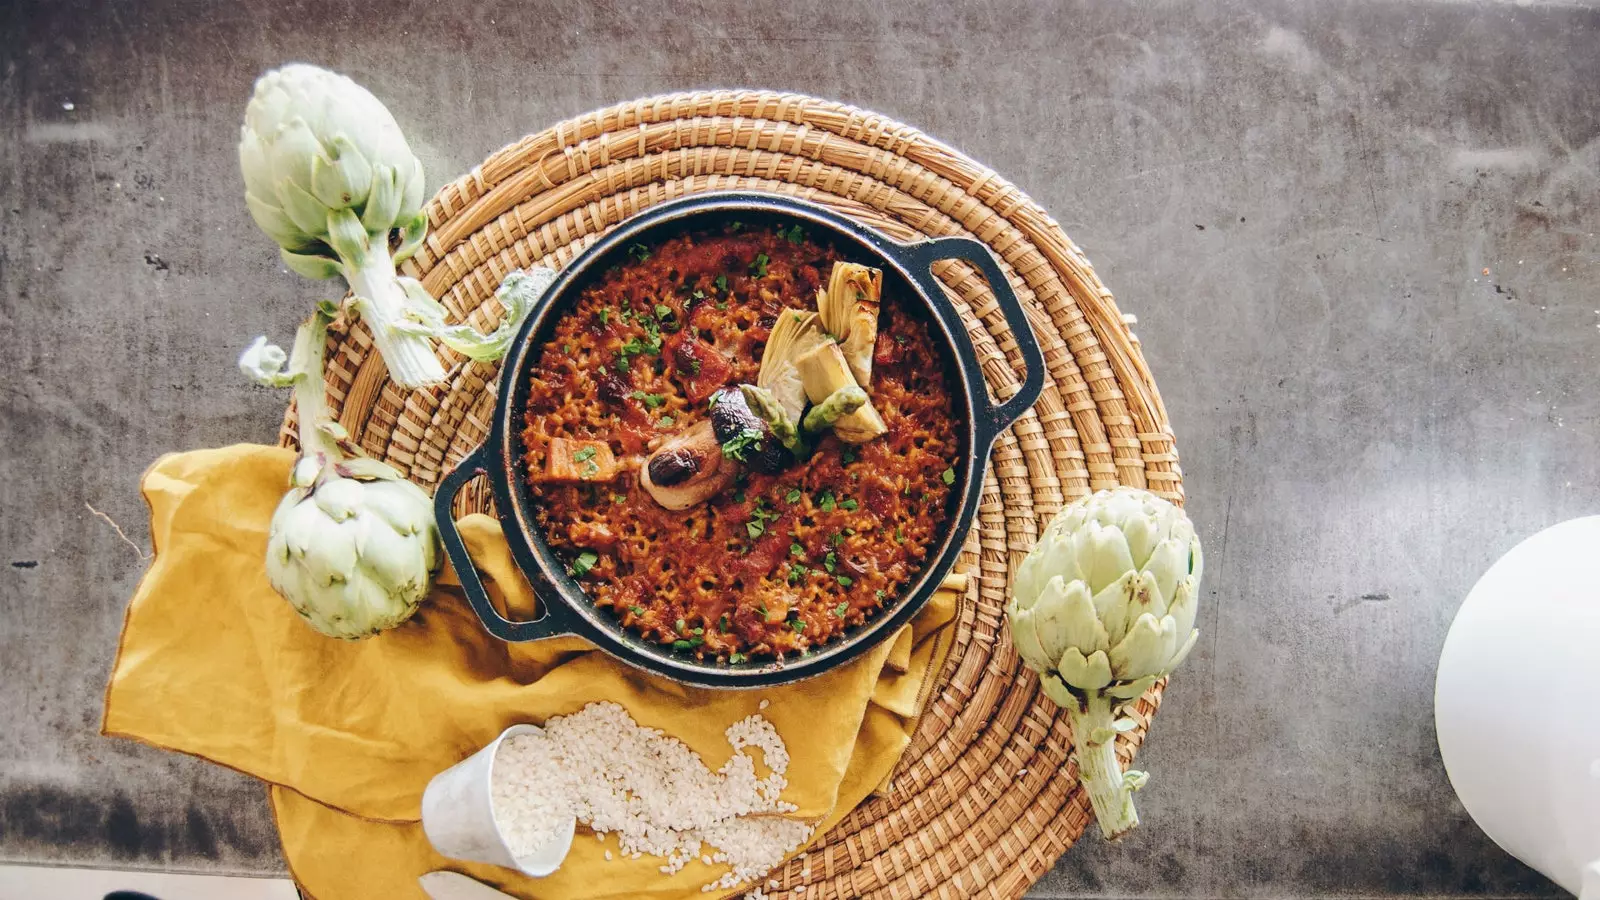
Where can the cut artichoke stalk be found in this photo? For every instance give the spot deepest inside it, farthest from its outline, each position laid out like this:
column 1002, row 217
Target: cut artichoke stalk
column 1102, row 608
column 842, row 402
column 329, row 176
column 761, row 402
column 849, row 311
column 823, row 371
column 353, row 546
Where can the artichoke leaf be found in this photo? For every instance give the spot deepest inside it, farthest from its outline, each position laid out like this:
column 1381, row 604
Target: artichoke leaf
column 1026, row 639
column 1086, row 673
column 1115, row 606
column 276, row 223
column 383, row 201
column 1183, row 651
column 340, row 176
column 1065, row 617
column 849, row 311
column 1057, row 691
column 1146, row 650
column 1169, row 565
column 794, row 333
column 1105, row 551
column 1140, row 535
column 1183, row 605
column 306, row 212
column 1132, row 690
column 311, row 265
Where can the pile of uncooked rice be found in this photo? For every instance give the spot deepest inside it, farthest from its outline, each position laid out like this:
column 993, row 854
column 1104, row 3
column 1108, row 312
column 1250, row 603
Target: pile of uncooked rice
column 652, row 790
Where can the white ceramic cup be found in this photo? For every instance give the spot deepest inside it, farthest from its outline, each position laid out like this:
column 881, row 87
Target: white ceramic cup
column 1517, row 704
column 458, row 816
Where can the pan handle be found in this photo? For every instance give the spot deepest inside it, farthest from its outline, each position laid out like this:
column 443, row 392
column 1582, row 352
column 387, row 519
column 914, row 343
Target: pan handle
column 996, row 417
column 554, row 618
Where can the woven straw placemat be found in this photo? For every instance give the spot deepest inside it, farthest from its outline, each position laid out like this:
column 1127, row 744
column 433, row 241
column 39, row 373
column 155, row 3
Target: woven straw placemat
column 985, row 799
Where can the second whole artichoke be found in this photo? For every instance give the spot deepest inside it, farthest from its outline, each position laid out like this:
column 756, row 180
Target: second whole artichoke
column 1103, row 607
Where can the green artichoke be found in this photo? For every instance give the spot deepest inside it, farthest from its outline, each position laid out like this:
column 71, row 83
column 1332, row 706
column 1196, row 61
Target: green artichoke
column 1102, row 608
column 329, row 176
column 325, row 164
column 353, row 546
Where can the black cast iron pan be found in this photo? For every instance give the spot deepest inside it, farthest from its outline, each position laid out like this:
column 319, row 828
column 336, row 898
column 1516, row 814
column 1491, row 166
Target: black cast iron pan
column 565, row 607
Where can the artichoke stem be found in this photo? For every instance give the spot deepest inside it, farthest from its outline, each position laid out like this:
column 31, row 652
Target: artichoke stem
column 382, row 302
column 1096, row 749
column 310, row 393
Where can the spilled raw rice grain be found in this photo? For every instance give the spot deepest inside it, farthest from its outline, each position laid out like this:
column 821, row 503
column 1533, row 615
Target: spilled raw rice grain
column 652, row 790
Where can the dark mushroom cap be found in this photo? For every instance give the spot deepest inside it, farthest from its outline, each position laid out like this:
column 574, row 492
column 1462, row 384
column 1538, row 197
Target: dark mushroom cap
column 675, row 466
column 731, row 417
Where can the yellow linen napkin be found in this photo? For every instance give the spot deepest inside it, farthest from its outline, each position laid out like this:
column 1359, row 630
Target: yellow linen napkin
column 212, row 662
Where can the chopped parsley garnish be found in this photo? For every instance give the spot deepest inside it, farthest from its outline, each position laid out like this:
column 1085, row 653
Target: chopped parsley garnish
column 841, row 609
column 651, row 401
column 793, row 235
column 739, row 446
column 585, row 561
column 760, row 518
column 623, row 363
column 736, row 227
column 948, row 476
column 605, row 317
column 830, row 562
column 899, row 535
column 699, row 295
column 798, row 625
column 793, row 496
column 845, row 580
column 639, row 252
column 689, row 644
column 664, row 422
column 722, row 304
column 848, row 505
column 738, row 496
column 736, row 658
column 591, row 468
column 797, row 551
column 636, row 610
column 694, row 367
column 825, row 502
column 663, row 311
column 682, row 625
column 759, row 267
column 712, row 403
column 879, row 594
column 585, row 453
column 837, row 539
column 723, row 623
column 848, row 456
column 619, row 498
column 627, row 314
column 567, row 349
column 722, row 283
column 797, row 573
column 698, row 630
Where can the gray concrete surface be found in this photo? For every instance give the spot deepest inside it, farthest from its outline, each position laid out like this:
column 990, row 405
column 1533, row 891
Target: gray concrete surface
column 1359, row 235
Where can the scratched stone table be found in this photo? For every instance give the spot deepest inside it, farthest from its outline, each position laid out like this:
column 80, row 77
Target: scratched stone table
column 1359, row 238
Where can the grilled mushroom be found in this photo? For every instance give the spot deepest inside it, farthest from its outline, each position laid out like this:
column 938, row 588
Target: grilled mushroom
column 688, row 469
column 744, row 435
